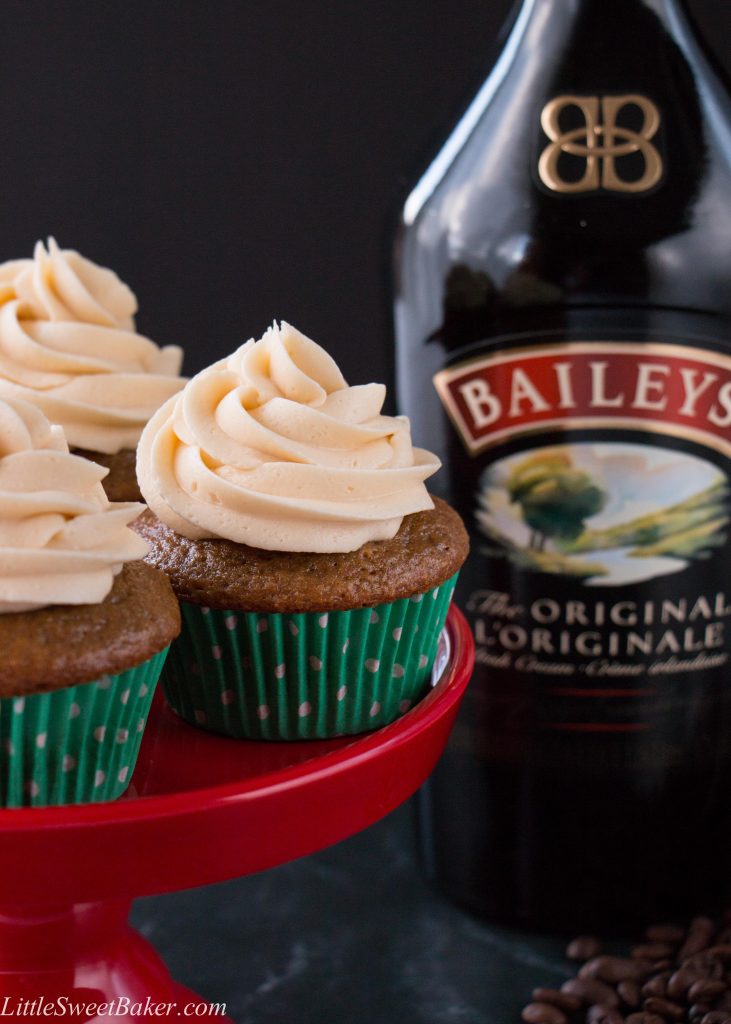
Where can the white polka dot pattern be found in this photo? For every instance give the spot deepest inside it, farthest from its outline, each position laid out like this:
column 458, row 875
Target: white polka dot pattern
column 76, row 744
column 305, row 675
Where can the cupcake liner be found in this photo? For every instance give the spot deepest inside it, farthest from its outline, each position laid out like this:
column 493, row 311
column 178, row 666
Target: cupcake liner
column 308, row 675
column 78, row 744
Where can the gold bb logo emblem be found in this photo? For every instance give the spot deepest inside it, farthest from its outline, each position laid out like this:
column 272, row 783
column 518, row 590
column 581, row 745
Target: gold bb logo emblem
column 601, row 142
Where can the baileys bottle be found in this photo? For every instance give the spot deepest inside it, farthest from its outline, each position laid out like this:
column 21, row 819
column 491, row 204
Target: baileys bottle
column 563, row 326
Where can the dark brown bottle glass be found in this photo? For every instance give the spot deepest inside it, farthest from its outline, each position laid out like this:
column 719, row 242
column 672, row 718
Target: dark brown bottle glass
column 563, row 312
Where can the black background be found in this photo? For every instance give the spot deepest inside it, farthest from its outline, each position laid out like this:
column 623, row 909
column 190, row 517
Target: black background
column 239, row 160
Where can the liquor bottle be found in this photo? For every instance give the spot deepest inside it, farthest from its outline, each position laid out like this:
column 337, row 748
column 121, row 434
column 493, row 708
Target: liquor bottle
column 563, row 342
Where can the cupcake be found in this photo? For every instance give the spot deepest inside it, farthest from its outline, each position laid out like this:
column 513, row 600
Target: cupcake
column 84, row 623
column 68, row 345
column 314, row 569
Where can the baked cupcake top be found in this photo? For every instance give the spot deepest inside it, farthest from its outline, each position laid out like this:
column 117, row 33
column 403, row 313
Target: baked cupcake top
column 61, row 540
column 427, row 550
column 68, row 345
column 271, row 448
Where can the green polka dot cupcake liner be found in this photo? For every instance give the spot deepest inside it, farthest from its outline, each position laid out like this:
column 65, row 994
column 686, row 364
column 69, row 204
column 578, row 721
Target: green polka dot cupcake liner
column 304, row 676
column 78, row 744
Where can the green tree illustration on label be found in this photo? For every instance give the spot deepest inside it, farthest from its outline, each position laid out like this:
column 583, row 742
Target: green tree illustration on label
column 610, row 513
column 556, row 498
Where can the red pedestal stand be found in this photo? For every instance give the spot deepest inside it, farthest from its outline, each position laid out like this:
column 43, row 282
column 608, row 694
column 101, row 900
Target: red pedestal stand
column 200, row 809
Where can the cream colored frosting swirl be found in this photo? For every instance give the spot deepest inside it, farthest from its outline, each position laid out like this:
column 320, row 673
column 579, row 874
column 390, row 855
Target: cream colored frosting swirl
column 61, row 540
column 68, row 344
column 271, row 448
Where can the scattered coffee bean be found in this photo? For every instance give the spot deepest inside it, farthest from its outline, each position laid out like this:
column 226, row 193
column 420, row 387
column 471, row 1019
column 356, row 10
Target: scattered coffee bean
column 666, row 1009
column 698, row 1010
column 652, row 951
column 665, row 933
column 699, row 937
column 680, row 982
column 721, row 952
column 703, row 965
column 615, row 968
column 704, row 989
column 563, row 1000
column 603, row 1015
column 629, row 992
column 675, row 976
column 589, row 991
column 543, row 1013
column 657, row 985
column 583, row 947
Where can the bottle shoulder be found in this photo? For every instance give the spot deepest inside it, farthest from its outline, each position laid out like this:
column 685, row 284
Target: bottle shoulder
column 582, row 174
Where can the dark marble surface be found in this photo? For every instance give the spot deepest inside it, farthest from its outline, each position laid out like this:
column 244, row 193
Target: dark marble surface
column 351, row 935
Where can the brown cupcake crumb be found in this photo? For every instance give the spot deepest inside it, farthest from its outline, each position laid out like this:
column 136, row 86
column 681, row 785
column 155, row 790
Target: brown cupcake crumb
column 63, row 645
column 427, row 550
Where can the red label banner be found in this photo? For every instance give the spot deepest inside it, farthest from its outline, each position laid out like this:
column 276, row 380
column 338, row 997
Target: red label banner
column 665, row 388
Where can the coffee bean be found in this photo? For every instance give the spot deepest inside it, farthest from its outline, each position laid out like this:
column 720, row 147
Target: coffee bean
column 703, row 965
column 665, row 933
column 564, row 1001
column 676, row 975
column 603, row 1015
column 583, row 947
column 590, row 990
column 699, row 937
column 704, row 989
column 652, row 951
column 657, row 985
column 716, row 1017
column 543, row 1013
column 666, row 1009
column 615, row 968
column 720, row 952
column 698, row 1010
column 629, row 993
column 680, row 982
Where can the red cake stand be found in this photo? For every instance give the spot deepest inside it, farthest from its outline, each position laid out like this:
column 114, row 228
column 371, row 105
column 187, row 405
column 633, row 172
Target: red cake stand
column 200, row 809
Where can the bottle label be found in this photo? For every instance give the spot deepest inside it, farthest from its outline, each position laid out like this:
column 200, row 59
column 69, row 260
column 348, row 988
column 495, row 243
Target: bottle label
column 599, row 583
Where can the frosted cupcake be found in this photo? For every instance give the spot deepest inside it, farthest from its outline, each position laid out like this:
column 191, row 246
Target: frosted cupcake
column 68, row 345
column 84, row 623
column 314, row 569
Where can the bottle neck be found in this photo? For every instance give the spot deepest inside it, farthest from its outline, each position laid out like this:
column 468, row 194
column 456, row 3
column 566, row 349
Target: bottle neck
column 613, row 9
column 672, row 14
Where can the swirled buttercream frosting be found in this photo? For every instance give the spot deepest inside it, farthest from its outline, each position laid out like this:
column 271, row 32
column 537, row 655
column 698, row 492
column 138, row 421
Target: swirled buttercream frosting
column 273, row 449
column 68, row 345
column 61, row 540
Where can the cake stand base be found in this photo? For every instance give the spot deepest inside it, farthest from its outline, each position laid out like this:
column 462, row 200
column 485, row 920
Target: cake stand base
column 86, row 959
